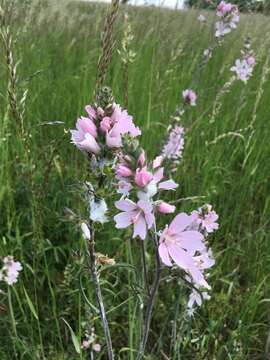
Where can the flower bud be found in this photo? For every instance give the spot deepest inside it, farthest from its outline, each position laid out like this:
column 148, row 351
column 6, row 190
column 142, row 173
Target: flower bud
column 142, row 177
column 123, row 170
column 141, row 159
column 85, row 231
column 165, row 208
column 105, row 124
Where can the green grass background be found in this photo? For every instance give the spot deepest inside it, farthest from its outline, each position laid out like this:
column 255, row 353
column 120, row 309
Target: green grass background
column 60, row 44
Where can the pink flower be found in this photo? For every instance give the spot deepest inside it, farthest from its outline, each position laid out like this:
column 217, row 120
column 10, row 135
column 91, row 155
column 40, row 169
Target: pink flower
column 97, row 347
column 250, row 60
column 229, row 17
column 139, row 215
column 224, row 8
column 206, row 218
column 196, row 299
column 105, row 124
column 10, row 270
column 124, row 187
column 174, row 147
column 190, row 97
column 221, row 29
column 142, row 177
column 165, row 208
column 85, row 136
column 158, row 161
column 86, row 344
column 121, row 124
column 152, row 188
column 180, row 245
column 123, row 171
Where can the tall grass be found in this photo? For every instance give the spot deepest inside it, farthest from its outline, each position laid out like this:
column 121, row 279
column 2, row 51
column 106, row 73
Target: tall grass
column 58, row 48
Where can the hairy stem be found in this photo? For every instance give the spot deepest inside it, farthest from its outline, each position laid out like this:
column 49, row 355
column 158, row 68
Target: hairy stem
column 99, row 298
column 151, row 301
column 146, row 282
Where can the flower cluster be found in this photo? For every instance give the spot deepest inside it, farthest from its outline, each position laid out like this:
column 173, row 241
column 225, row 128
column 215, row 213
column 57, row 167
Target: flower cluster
column 228, row 18
column 174, row 147
column 102, row 129
column 90, row 341
column 243, row 68
column 10, row 270
column 140, row 184
column 144, row 182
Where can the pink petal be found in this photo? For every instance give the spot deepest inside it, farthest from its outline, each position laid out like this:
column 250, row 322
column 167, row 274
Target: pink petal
column 140, row 228
column 192, row 241
column 145, row 206
column 157, row 161
column 163, row 253
column 123, row 220
column 89, row 144
column 168, row 185
column 90, row 111
column 113, row 140
column 158, row 175
column 180, row 257
column 87, row 126
column 179, row 223
column 125, row 205
column 150, row 219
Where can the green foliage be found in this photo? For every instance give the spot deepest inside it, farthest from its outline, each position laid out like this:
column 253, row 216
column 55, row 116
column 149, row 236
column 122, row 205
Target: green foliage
column 58, row 49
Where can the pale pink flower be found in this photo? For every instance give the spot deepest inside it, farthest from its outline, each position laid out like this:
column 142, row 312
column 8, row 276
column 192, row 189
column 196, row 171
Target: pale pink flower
column 221, row 29
column 97, row 347
column 139, row 215
column 174, row 147
column 196, row 299
column 152, row 188
column 123, row 187
column 142, row 177
column 224, row 8
column 157, row 162
column 105, row 124
column 180, row 245
column 205, row 260
column 86, row 344
column 165, row 208
column 121, row 124
column 123, row 171
column 244, row 68
column 229, row 17
column 190, row 97
column 201, row 18
column 85, row 136
column 11, row 270
column 206, row 218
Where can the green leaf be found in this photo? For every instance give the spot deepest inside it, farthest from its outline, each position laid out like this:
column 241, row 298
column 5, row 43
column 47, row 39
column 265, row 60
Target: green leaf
column 74, row 338
column 30, row 304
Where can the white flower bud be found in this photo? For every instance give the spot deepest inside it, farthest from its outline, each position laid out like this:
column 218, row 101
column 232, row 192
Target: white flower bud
column 85, row 231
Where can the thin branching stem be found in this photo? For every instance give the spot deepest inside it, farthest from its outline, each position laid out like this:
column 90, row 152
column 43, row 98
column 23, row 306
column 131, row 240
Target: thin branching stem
column 97, row 289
